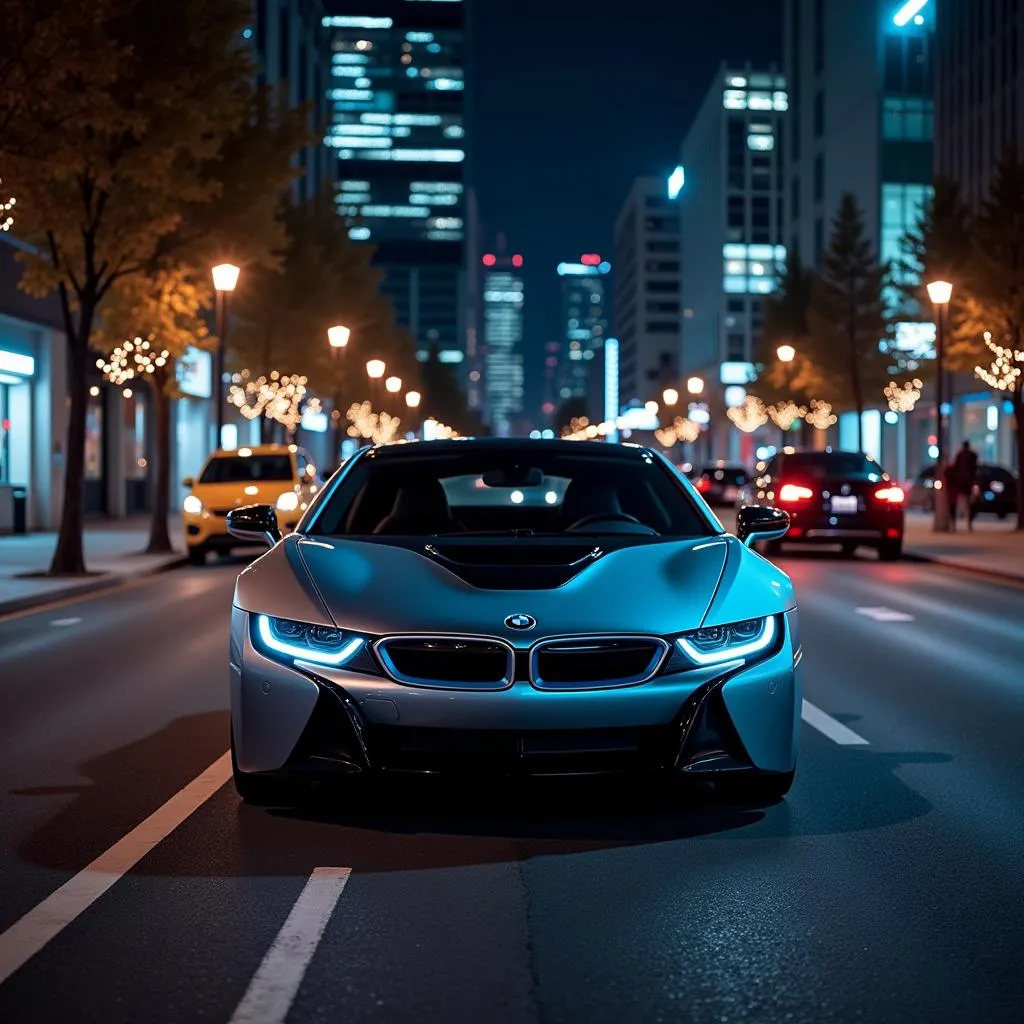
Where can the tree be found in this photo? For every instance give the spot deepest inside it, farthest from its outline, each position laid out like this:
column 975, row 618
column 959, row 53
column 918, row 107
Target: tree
column 99, row 194
column 988, row 322
column 571, row 409
column 849, row 329
column 150, row 321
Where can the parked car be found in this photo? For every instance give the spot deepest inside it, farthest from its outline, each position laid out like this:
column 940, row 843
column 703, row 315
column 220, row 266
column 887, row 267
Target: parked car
column 721, row 483
column 995, row 491
column 832, row 496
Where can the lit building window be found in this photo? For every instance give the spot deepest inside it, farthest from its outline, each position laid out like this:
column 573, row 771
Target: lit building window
column 359, row 234
column 761, row 143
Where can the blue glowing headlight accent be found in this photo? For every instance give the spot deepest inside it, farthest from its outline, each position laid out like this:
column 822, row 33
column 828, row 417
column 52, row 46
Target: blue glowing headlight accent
column 737, row 641
column 301, row 641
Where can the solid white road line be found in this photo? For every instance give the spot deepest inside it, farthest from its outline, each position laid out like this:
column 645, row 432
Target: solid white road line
column 27, row 936
column 65, row 622
column 276, row 982
column 835, row 731
column 883, row 614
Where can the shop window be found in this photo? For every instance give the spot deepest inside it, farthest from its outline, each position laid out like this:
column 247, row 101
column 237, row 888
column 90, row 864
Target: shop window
column 94, row 438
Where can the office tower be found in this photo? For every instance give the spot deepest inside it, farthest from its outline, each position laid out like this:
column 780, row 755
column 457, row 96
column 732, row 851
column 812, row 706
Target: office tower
column 398, row 132
column 293, row 53
column 731, row 211
column 647, row 287
column 503, row 301
column 979, row 89
column 585, row 320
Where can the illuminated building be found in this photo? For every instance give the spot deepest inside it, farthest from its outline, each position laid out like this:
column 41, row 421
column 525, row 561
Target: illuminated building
column 979, row 94
column 397, row 101
column 502, row 306
column 647, row 287
column 584, row 314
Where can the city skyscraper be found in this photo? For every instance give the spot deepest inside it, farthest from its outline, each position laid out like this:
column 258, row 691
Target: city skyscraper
column 585, row 325
column 398, row 131
column 647, row 286
column 731, row 210
column 503, row 301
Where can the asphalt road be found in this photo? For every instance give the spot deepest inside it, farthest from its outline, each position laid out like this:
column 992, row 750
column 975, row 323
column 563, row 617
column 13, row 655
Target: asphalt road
column 888, row 887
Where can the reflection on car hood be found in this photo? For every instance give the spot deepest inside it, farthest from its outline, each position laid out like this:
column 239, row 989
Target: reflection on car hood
column 385, row 588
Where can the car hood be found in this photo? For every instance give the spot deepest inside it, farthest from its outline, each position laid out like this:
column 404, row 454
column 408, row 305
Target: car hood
column 384, row 588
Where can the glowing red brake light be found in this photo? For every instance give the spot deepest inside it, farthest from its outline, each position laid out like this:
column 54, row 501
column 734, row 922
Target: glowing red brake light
column 703, row 485
column 894, row 495
column 792, row 493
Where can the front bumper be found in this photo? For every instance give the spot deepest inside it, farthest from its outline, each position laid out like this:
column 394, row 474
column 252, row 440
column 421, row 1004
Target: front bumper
column 210, row 529
column 699, row 721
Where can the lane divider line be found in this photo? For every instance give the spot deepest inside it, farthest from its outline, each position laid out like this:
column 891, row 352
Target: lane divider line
column 276, row 982
column 28, row 935
column 883, row 614
column 826, row 724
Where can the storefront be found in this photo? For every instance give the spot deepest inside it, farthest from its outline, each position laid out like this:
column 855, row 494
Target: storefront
column 192, row 421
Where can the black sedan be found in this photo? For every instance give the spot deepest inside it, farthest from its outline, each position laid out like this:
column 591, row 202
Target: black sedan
column 995, row 491
column 720, row 484
column 836, row 497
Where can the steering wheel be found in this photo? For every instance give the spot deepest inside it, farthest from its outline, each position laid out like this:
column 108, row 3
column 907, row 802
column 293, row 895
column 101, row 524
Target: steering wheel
column 605, row 517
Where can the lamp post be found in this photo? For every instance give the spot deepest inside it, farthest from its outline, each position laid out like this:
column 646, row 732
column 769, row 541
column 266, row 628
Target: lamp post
column 375, row 370
column 940, row 292
column 670, row 396
column 786, row 353
column 695, row 386
column 338, row 338
column 225, row 278
column 393, row 385
column 412, row 401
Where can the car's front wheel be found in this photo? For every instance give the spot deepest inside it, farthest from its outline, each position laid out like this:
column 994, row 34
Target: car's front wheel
column 197, row 555
column 260, row 790
column 750, row 788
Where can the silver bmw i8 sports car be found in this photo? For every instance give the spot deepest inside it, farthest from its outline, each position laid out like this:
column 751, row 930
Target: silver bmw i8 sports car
column 528, row 607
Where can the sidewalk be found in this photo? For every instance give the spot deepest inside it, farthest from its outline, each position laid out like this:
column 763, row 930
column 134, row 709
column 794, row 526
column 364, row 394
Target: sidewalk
column 992, row 547
column 113, row 554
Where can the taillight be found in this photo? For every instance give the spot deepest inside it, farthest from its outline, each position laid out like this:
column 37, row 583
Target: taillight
column 894, row 495
column 703, row 485
column 792, row 493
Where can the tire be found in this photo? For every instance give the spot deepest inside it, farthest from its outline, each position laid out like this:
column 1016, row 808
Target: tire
column 757, row 788
column 890, row 550
column 260, row 790
column 197, row 555
column 1001, row 515
column 849, row 549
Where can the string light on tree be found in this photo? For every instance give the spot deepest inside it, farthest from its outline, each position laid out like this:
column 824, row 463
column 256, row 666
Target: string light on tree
column 903, row 397
column 820, row 415
column 785, row 414
column 279, row 397
column 680, row 429
column 1004, row 371
column 749, row 416
column 132, row 359
column 378, row 427
column 7, row 203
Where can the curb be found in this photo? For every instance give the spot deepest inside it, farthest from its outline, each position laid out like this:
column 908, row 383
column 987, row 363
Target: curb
column 86, row 587
column 946, row 563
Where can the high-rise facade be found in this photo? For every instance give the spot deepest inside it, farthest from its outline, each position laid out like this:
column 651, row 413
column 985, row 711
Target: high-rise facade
column 585, row 325
column 398, row 133
column 979, row 94
column 731, row 227
column 293, row 53
column 503, row 300
column 647, row 288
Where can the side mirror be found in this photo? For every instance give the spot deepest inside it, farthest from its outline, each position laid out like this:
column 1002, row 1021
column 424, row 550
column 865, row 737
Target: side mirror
column 757, row 522
column 255, row 523
column 189, row 482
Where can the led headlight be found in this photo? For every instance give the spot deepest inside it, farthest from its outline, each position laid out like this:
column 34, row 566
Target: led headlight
column 288, row 502
column 192, row 505
column 301, row 641
column 736, row 641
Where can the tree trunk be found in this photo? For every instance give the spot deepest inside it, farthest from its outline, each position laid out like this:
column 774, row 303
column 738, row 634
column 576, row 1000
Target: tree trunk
column 264, row 429
column 159, row 537
column 69, row 555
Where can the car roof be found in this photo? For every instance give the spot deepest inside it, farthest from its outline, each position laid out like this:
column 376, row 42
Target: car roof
column 497, row 445
column 254, row 449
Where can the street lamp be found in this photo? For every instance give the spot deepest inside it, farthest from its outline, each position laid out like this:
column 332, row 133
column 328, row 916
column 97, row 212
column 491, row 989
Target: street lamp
column 786, row 353
column 338, row 338
column 393, row 385
column 412, row 399
column 225, row 278
column 670, row 396
column 695, row 385
column 940, row 292
column 375, row 369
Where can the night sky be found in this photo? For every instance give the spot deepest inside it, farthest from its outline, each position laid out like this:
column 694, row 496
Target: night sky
column 572, row 99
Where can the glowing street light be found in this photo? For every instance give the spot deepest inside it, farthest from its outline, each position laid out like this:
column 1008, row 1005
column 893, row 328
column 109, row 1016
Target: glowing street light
column 225, row 278
column 651, row 407
column 412, row 399
column 393, row 385
column 695, row 385
column 786, row 353
column 375, row 369
column 670, row 396
column 940, row 292
column 338, row 337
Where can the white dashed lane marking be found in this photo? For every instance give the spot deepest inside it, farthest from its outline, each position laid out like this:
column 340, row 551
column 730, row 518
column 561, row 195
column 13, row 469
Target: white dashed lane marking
column 828, row 726
column 883, row 614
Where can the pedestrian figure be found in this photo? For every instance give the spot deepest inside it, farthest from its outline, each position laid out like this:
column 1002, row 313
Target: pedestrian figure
column 965, row 467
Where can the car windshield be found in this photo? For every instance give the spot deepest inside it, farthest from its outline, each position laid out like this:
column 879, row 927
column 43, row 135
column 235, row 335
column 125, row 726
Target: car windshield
column 507, row 491
column 821, row 465
column 237, row 469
